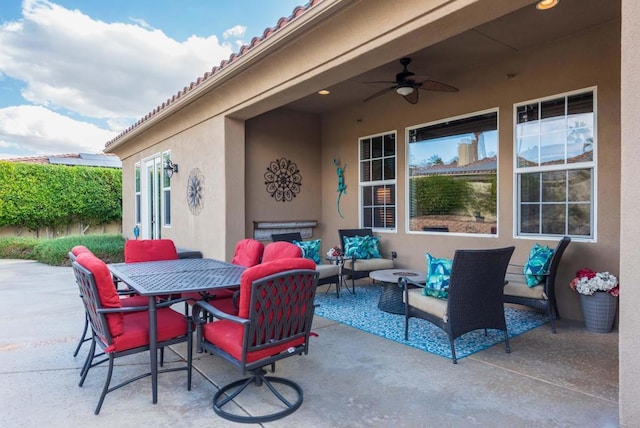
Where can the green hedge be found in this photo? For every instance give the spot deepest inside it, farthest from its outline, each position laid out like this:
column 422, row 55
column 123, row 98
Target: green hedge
column 439, row 195
column 36, row 196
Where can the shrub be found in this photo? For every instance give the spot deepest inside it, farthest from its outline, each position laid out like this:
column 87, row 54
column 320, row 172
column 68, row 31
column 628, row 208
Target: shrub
column 438, row 195
column 18, row 248
column 109, row 248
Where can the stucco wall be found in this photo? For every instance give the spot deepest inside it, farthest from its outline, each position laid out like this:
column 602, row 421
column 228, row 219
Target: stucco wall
column 294, row 136
column 629, row 250
column 590, row 59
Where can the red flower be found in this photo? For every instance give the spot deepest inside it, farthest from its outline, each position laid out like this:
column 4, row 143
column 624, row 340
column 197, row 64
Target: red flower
column 585, row 273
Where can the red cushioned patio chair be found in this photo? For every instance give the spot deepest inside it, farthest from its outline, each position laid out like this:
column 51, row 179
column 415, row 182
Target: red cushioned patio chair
column 273, row 323
column 120, row 331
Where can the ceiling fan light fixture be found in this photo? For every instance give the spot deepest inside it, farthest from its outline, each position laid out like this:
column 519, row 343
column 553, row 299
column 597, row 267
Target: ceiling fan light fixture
column 546, row 4
column 405, row 90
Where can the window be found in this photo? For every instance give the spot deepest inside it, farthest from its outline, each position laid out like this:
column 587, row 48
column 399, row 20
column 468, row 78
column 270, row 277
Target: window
column 166, row 191
column 137, row 191
column 378, row 181
column 452, row 175
column 555, row 166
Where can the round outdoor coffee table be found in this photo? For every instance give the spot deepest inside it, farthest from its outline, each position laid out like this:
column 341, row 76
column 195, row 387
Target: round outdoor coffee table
column 391, row 296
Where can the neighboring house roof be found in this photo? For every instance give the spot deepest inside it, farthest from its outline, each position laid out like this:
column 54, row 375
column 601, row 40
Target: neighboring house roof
column 482, row 166
column 268, row 32
column 84, row 159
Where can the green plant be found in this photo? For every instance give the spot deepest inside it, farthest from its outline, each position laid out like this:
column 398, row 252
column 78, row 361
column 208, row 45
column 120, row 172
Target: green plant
column 17, row 248
column 438, row 195
column 54, row 252
column 109, row 248
column 38, row 196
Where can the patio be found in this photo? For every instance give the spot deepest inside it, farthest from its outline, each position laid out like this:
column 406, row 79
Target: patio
column 350, row 378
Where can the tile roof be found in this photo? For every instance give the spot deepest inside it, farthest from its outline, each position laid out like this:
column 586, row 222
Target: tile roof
column 268, row 32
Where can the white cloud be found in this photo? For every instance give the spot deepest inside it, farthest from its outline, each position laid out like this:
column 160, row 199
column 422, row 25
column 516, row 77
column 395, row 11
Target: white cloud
column 111, row 71
column 36, row 130
column 236, row 32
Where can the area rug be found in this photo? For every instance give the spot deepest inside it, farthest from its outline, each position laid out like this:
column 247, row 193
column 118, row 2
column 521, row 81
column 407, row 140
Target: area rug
column 361, row 311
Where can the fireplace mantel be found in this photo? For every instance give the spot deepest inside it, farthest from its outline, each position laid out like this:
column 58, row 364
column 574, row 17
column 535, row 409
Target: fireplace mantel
column 262, row 230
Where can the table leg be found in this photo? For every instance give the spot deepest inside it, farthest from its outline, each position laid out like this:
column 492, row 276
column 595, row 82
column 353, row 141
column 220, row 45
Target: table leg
column 153, row 348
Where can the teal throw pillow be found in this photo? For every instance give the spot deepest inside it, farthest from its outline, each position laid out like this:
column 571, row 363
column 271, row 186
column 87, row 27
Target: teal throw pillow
column 438, row 274
column 310, row 249
column 537, row 265
column 362, row 247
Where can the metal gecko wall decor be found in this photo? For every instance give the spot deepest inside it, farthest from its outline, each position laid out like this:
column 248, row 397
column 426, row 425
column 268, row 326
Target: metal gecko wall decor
column 283, row 180
column 342, row 187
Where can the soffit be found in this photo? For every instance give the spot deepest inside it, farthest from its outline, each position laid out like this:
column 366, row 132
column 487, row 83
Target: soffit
column 485, row 44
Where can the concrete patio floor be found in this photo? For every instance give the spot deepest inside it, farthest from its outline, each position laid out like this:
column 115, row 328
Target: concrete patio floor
column 350, row 378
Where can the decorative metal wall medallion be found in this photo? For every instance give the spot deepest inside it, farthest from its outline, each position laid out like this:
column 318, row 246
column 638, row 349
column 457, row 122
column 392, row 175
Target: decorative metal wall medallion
column 195, row 191
column 283, row 180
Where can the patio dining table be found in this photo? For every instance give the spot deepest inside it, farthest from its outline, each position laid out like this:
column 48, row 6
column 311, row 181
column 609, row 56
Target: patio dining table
column 157, row 278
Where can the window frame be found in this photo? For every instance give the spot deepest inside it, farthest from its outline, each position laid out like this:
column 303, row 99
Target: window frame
column 591, row 165
column 394, row 182
column 165, row 191
column 407, row 177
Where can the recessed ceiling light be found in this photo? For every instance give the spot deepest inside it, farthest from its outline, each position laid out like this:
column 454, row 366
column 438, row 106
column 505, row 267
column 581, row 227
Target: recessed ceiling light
column 324, row 92
column 546, row 4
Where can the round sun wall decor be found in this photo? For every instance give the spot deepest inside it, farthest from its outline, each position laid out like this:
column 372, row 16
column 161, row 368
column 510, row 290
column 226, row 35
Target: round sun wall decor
column 283, row 180
column 195, row 191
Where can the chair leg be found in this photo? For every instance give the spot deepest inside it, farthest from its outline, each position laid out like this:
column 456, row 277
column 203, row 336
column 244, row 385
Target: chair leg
column 105, row 389
column 189, row 352
column 406, row 328
column 506, row 342
column 83, row 336
column 87, row 363
column 162, row 356
column 453, row 351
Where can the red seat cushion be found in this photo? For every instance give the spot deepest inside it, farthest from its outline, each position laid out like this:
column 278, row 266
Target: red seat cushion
column 131, row 301
column 281, row 250
column 171, row 324
column 248, row 253
column 227, row 335
column 147, row 250
column 107, row 293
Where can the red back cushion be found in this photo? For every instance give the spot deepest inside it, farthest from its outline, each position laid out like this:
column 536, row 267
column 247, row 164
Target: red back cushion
column 79, row 249
column 106, row 290
column 248, row 253
column 149, row 250
column 281, row 250
column 263, row 270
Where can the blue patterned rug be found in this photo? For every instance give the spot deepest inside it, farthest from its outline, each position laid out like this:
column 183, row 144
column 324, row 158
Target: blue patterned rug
column 361, row 311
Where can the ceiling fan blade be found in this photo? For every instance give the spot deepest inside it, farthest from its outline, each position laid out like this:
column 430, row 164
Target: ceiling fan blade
column 382, row 92
column 432, row 85
column 412, row 98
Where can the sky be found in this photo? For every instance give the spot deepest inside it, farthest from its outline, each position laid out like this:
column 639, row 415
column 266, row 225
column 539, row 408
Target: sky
column 75, row 73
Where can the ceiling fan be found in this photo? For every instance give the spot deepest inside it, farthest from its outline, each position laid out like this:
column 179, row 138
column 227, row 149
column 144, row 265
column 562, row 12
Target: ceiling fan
column 408, row 84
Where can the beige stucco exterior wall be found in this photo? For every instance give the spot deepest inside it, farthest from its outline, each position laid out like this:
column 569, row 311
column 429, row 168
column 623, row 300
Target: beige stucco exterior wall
column 294, row 136
column 589, row 60
column 629, row 347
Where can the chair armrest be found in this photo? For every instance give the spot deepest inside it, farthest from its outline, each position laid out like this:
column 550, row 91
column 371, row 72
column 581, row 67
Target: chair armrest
column 128, row 309
column 202, row 306
column 406, row 283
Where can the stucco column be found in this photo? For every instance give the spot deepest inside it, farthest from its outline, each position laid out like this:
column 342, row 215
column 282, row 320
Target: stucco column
column 629, row 347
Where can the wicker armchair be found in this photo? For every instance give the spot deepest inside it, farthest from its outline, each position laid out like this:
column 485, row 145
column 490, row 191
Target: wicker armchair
column 359, row 268
column 475, row 298
column 541, row 296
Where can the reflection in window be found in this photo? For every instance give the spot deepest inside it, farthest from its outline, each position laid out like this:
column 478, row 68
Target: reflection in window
column 378, row 181
column 453, row 175
column 555, row 165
